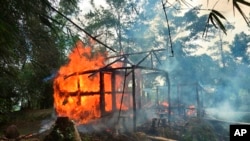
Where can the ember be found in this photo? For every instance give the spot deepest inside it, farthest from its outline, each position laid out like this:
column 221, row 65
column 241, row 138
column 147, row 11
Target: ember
column 165, row 103
column 77, row 85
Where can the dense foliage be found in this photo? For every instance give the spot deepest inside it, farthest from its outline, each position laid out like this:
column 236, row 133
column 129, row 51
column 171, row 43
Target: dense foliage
column 32, row 48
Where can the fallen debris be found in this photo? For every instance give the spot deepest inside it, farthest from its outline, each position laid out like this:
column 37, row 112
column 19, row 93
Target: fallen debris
column 157, row 138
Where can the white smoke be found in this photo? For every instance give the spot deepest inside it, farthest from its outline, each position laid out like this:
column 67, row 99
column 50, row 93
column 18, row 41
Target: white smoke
column 224, row 111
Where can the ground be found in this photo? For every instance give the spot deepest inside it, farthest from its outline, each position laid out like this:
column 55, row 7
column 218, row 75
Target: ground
column 27, row 121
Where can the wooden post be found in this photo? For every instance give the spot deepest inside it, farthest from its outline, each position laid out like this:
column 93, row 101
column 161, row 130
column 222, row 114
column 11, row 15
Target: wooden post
column 198, row 100
column 113, row 84
column 78, row 91
column 102, row 94
column 157, row 96
column 179, row 99
column 133, row 97
column 169, row 98
column 148, row 97
column 138, row 90
column 202, row 112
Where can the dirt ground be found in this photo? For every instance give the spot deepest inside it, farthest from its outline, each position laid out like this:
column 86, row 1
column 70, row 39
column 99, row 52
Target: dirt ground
column 28, row 121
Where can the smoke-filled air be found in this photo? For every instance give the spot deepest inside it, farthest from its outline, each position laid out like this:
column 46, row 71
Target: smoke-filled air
column 104, row 70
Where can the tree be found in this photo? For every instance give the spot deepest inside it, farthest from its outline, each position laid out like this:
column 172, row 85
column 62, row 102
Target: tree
column 239, row 47
column 112, row 22
column 29, row 51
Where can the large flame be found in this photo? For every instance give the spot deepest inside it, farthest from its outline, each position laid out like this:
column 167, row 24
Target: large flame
column 71, row 84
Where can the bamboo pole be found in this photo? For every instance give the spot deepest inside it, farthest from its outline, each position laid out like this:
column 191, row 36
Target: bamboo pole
column 157, row 96
column 77, row 26
column 102, row 94
column 198, row 101
column 75, row 93
column 113, row 82
column 136, row 53
column 110, row 69
column 138, row 92
column 169, row 98
column 158, row 138
column 134, row 99
column 179, row 100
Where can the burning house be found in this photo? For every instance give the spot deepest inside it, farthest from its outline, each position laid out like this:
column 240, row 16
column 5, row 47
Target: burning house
column 94, row 89
column 80, row 87
column 91, row 86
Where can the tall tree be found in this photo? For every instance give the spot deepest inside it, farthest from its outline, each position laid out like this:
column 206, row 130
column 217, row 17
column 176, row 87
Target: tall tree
column 239, row 47
column 112, row 22
column 29, row 51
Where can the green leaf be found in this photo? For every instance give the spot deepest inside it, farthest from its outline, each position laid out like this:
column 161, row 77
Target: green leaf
column 243, row 2
column 214, row 17
column 218, row 14
column 219, row 23
column 212, row 20
column 236, row 5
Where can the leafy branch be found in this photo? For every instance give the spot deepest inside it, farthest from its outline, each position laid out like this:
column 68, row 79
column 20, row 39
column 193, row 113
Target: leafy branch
column 215, row 18
column 237, row 6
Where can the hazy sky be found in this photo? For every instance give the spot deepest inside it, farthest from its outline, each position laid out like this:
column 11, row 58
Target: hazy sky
column 223, row 6
column 226, row 8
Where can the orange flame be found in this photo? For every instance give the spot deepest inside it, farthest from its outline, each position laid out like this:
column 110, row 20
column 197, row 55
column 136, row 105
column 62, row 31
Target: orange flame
column 71, row 86
column 165, row 104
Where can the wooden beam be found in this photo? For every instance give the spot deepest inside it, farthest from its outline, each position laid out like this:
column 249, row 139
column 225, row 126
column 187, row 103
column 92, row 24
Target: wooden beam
column 169, row 98
column 198, row 101
column 157, row 96
column 179, row 99
column 135, row 53
column 134, row 100
column 113, row 84
column 89, row 93
column 102, row 94
column 158, row 138
column 109, row 69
